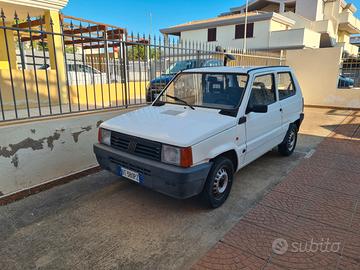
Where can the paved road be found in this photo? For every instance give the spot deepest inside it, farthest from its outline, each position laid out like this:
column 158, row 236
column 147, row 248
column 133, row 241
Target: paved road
column 102, row 222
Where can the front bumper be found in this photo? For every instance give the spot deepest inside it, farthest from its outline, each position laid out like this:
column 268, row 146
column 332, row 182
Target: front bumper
column 171, row 180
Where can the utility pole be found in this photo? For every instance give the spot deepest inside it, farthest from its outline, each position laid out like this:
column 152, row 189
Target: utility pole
column 245, row 29
column 151, row 30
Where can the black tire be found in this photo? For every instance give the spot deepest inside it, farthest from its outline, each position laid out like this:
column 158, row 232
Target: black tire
column 218, row 183
column 287, row 147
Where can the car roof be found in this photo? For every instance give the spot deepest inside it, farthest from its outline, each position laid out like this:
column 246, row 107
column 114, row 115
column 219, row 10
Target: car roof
column 238, row 69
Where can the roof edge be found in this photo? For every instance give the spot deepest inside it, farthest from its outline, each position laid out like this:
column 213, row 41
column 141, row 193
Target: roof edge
column 228, row 21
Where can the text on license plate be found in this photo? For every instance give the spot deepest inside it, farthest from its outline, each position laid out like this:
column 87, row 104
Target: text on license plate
column 135, row 176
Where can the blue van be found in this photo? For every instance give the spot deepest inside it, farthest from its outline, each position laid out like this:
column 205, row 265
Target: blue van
column 157, row 85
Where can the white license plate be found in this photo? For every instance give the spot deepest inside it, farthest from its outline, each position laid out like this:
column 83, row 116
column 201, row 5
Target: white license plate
column 135, row 176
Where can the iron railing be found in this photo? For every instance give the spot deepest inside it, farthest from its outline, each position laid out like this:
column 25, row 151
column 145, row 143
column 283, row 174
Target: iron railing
column 349, row 73
column 51, row 67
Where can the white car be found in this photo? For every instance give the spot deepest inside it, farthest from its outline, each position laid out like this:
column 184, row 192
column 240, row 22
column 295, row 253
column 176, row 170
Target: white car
column 205, row 125
column 80, row 74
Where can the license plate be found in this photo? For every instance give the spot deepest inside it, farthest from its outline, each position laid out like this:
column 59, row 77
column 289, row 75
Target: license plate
column 135, row 176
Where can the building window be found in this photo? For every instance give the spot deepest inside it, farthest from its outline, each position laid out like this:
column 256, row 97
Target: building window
column 211, row 34
column 240, row 30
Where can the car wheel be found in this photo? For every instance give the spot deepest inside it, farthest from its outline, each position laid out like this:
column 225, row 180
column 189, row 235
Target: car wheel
column 218, row 183
column 287, row 147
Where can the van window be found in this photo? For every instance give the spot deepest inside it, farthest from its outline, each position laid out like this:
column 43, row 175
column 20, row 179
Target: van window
column 286, row 85
column 263, row 91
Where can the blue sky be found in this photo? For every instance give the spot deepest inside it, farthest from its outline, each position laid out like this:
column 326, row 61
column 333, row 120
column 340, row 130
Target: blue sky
column 135, row 14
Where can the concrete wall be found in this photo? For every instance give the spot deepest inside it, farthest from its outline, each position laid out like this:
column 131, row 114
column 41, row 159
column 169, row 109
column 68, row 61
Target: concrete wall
column 34, row 152
column 311, row 9
column 44, row 77
column 318, row 72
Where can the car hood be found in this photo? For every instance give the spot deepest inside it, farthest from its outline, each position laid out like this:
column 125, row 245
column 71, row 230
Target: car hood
column 165, row 79
column 171, row 124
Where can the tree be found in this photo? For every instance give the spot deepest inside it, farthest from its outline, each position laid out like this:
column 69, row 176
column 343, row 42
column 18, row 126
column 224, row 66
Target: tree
column 137, row 52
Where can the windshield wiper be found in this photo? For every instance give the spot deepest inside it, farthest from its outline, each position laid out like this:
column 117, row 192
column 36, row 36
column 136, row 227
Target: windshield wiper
column 181, row 100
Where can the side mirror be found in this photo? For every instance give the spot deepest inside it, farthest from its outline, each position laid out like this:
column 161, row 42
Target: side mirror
column 257, row 109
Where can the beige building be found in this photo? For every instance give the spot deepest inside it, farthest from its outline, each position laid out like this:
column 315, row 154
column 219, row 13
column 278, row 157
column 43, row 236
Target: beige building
column 278, row 24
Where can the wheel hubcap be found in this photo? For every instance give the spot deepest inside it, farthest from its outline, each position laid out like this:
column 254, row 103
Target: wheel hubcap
column 291, row 141
column 221, row 181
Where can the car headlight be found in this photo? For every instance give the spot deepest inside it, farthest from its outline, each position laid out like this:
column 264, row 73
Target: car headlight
column 177, row 155
column 104, row 136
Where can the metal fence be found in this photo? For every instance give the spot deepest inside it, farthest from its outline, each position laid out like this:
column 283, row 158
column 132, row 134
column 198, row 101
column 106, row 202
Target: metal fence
column 51, row 67
column 349, row 73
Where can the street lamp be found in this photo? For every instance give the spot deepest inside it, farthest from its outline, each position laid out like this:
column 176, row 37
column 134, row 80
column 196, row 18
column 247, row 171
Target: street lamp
column 245, row 29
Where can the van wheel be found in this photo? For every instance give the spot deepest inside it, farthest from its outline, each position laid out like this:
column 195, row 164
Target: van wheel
column 218, row 183
column 287, row 147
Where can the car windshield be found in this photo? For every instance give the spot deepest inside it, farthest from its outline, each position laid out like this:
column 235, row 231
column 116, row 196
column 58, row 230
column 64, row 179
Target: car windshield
column 212, row 90
column 179, row 66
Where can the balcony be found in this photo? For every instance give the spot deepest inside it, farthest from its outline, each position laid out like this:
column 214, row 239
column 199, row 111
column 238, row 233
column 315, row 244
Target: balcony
column 349, row 23
column 325, row 27
column 294, row 39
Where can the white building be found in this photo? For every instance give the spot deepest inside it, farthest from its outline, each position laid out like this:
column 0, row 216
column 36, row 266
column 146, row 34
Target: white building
column 278, row 24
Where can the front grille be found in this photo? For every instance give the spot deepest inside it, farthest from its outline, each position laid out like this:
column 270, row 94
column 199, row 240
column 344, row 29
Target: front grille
column 131, row 166
column 135, row 145
column 157, row 86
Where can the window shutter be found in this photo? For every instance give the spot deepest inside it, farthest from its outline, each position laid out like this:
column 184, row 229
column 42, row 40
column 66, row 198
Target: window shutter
column 239, row 31
column 250, row 30
column 211, row 34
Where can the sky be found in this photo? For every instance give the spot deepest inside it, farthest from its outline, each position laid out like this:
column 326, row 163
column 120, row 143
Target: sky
column 135, row 14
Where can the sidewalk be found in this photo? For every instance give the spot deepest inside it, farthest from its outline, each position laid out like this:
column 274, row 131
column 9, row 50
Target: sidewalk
column 311, row 220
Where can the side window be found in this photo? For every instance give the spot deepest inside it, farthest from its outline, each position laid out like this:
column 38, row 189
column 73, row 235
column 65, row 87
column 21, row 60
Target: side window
column 263, row 91
column 286, row 85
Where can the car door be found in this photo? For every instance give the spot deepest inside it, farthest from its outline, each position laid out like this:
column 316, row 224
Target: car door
column 290, row 102
column 263, row 129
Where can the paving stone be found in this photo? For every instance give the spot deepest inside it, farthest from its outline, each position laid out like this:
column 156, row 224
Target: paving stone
column 252, row 239
column 285, row 202
column 332, row 198
column 293, row 188
column 223, row 256
column 270, row 218
column 293, row 259
column 355, row 223
column 310, row 231
column 340, row 146
column 327, row 214
column 346, row 263
column 271, row 266
column 352, row 245
column 335, row 161
column 345, row 184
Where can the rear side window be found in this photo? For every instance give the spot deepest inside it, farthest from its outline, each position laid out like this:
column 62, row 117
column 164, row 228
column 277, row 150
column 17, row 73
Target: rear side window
column 286, row 85
column 263, row 91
